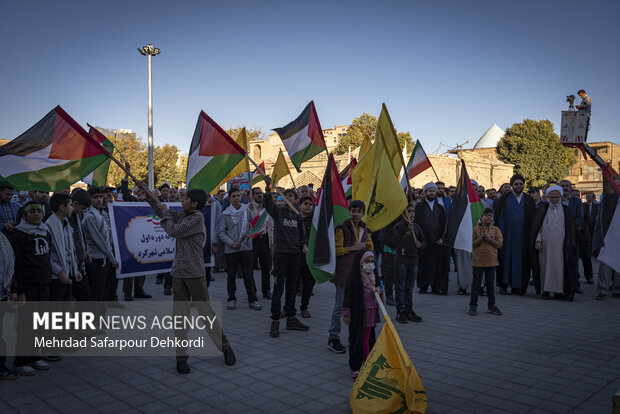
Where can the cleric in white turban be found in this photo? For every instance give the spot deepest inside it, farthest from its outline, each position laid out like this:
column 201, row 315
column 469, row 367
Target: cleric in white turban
column 429, row 185
column 554, row 188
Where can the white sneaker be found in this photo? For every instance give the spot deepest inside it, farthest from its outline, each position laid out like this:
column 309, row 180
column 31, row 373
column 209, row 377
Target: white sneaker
column 40, row 365
column 255, row 306
column 25, row 371
column 232, row 304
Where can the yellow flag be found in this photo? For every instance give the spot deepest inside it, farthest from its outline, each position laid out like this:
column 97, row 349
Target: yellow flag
column 243, row 165
column 388, row 381
column 280, row 168
column 366, row 145
column 386, row 136
column 375, row 177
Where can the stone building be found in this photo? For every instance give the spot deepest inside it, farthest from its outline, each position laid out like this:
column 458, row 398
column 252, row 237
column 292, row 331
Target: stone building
column 586, row 175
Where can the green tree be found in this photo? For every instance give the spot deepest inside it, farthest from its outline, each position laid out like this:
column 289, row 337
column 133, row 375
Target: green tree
column 535, row 150
column 361, row 127
column 134, row 150
column 365, row 126
column 166, row 165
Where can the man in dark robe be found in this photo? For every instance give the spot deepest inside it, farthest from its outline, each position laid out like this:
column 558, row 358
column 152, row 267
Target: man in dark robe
column 514, row 213
column 564, row 261
column 431, row 217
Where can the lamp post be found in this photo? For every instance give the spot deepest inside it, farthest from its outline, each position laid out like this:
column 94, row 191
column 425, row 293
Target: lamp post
column 150, row 51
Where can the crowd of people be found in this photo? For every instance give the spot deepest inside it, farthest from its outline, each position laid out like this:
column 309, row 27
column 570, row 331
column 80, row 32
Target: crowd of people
column 60, row 248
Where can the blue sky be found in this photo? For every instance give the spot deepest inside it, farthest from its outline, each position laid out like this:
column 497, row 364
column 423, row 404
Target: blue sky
column 447, row 70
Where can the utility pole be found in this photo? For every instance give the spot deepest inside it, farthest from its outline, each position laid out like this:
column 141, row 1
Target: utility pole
column 149, row 51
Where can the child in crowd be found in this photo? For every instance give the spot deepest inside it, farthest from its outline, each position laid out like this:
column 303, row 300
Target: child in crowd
column 408, row 239
column 32, row 246
column 487, row 240
column 360, row 310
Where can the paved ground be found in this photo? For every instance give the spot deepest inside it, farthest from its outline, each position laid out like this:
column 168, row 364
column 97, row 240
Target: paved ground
column 540, row 357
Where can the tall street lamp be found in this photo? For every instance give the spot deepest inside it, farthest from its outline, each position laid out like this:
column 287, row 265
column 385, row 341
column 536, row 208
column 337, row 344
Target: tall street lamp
column 150, row 51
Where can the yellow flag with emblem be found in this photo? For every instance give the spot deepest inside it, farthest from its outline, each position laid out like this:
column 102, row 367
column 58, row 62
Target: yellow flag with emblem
column 243, row 165
column 388, row 381
column 375, row 177
column 280, row 168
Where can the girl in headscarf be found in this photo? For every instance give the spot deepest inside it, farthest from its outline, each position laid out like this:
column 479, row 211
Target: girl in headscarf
column 360, row 310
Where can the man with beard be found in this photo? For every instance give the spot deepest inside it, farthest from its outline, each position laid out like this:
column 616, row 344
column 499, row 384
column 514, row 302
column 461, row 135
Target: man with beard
column 555, row 235
column 514, row 213
column 441, row 196
column 431, row 217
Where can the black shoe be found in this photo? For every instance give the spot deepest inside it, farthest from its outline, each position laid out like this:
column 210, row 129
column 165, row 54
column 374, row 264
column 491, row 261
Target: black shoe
column 294, row 324
column 334, row 345
column 412, row 316
column 482, row 292
column 7, row 374
column 142, row 295
column 182, row 367
column 390, row 301
column 546, row 295
column 494, row 310
column 274, row 332
column 402, row 317
column 473, row 310
column 267, row 295
column 128, row 297
column 159, row 280
column 503, row 291
column 601, row 297
column 423, row 291
column 229, row 357
column 462, row 292
column 578, row 290
column 167, row 291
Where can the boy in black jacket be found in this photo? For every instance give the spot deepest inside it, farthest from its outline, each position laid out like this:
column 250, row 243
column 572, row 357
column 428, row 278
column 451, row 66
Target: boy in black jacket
column 408, row 239
column 290, row 238
column 32, row 245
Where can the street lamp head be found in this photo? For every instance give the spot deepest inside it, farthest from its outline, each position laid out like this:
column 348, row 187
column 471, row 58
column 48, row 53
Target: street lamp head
column 141, row 52
column 148, row 50
column 156, row 51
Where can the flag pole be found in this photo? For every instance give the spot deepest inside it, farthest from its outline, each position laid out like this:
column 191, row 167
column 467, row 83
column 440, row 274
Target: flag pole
column 381, row 306
column 293, row 181
column 274, row 186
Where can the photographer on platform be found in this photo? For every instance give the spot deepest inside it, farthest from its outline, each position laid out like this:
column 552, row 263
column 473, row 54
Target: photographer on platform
column 586, row 102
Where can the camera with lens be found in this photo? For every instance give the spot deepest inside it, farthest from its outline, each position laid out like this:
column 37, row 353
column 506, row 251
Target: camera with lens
column 571, row 101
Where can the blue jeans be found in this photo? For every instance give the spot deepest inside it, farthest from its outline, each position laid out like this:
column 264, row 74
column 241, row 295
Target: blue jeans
column 405, row 279
column 334, row 327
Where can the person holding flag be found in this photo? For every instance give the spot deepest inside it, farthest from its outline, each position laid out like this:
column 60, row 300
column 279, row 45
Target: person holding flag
column 188, row 269
column 306, row 207
column 290, row 238
column 359, row 308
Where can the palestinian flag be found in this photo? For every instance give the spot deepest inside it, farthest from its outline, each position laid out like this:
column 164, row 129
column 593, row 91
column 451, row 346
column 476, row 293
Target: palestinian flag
column 258, row 224
column 303, row 138
column 55, row 153
column 330, row 212
column 345, row 178
column 257, row 176
column 212, row 155
column 465, row 212
column 99, row 176
column 418, row 162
